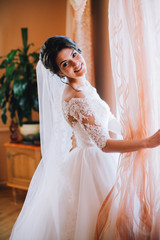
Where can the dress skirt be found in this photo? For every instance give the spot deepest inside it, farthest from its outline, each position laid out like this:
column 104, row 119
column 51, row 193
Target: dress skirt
column 65, row 205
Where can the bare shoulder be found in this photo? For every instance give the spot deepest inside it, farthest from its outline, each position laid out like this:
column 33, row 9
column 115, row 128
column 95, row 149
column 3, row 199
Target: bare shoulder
column 70, row 93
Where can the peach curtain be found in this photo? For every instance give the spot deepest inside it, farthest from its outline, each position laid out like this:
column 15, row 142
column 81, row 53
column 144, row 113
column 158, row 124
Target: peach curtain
column 79, row 28
column 132, row 209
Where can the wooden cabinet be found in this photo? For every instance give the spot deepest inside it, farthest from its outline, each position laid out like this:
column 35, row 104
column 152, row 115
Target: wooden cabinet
column 22, row 161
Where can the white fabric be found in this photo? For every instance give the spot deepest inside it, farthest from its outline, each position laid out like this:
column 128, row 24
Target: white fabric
column 68, row 188
column 91, row 120
column 78, row 23
column 52, row 122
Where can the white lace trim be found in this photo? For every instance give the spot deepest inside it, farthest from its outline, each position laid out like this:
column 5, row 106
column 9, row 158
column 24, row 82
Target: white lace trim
column 81, row 112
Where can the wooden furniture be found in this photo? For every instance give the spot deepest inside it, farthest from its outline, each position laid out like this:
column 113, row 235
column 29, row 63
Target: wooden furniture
column 22, row 161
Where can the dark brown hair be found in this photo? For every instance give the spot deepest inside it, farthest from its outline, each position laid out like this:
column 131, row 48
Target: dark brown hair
column 52, row 47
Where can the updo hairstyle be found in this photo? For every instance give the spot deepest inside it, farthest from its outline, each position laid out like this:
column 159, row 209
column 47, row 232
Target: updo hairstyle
column 51, row 48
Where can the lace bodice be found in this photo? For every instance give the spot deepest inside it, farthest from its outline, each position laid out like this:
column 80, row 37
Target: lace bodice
column 90, row 118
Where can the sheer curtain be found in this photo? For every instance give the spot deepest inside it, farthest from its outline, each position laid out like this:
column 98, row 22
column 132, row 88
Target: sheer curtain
column 79, row 28
column 132, row 209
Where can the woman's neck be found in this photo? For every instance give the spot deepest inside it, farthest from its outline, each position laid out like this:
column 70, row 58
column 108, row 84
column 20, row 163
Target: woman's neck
column 77, row 82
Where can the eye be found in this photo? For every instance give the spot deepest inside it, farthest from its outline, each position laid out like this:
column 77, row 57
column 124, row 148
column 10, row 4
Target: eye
column 65, row 64
column 74, row 54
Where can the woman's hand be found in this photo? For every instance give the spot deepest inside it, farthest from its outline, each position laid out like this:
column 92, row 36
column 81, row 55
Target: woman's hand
column 154, row 140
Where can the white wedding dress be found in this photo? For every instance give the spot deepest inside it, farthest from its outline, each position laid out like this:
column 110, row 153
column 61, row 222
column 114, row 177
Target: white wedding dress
column 66, row 203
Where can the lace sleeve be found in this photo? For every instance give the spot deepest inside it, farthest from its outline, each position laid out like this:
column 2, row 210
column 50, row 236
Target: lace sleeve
column 80, row 111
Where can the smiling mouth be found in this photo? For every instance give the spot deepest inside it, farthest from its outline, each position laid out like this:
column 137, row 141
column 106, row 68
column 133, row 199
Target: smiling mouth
column 78, row 69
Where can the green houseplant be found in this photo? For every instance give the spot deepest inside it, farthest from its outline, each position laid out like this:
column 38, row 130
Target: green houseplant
column 18, row 85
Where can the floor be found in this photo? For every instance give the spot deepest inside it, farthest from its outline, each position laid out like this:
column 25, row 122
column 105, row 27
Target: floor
column 9, row 210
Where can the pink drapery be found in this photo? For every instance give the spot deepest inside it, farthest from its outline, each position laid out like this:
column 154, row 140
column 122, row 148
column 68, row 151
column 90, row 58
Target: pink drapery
column 79, row 28
column 132, row 209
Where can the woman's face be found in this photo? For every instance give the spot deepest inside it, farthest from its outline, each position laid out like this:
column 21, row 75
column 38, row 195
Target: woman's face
column 71, row 63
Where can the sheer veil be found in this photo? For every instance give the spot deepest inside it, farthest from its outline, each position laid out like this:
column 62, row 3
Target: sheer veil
column 55, row 136
column 55, row 133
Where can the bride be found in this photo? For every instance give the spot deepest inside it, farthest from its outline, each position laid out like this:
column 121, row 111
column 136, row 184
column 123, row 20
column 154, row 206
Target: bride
column 69, row 187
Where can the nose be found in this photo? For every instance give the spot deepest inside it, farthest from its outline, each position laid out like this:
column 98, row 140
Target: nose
column 75, row 63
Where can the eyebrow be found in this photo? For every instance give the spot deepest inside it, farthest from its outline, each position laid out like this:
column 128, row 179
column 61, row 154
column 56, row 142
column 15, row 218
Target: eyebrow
column 66, row 60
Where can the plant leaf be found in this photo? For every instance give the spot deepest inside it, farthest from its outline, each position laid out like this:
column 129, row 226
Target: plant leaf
column 10, row 56
column 4, row 118
column 24, row 32
column 3, row 64
column 2, row 79
column 2, row 93
column 35, row 56
column 19, row 88
column 3, row 115
column 9, row 70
